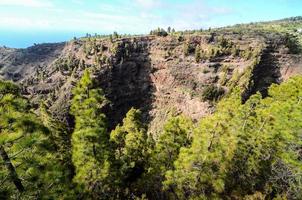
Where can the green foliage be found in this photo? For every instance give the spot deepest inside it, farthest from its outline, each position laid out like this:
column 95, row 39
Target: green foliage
column 7, row 87
column 248, row 150
column 223, row 78
column 241, row 151
column 177, row 133
column 64, row 65
column 163, row 152
column 29, row 164
column 247, row 53
column 188, row 49
column 159, row 32
column 235, row 51
column 90, row 150
column 292, row 43
column 199, row 169
column 225, row 43
column 115, row 35
column 169, row 29
column 213, row 52
column 245, row 149
column 60, row 137
column 197, row 54
column 243, row 79
column 212, row 93
column 224, row 47
column 130, row 142
column 130, row 139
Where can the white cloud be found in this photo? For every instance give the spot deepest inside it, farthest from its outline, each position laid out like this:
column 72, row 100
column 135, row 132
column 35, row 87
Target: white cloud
column 148, row 3
column 139, row 17
column 25, row 23
column 26, row 3
column 75, row 21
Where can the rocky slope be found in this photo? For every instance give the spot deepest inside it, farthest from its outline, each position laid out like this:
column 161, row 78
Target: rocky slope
column 180, row 73
column 17, row 64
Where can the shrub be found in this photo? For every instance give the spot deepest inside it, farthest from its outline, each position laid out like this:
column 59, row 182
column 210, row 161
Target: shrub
column 180, row 38
column 205, row 70
column 223, row 78
column 225, row 43
column 213, row 52
column 159, row 32
column 169, row 29
column 292, row 43
column 8, row 87
column 197, row 54
column 188, row 49
column 212, row 93
column 247, row 54
column 225, row 68
column 235, row 51
column 115, row 35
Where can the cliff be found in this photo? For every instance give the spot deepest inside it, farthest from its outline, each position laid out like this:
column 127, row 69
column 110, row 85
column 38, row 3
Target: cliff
column 184, row 72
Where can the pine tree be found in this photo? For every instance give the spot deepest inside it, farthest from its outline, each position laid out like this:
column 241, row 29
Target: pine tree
column 176, row 134
column 30, row 167
column 131, row 143
column 200, row 169
column 61, row 139
column 267, row 157
column 169, row 29
column 90, row 140
column 245, row 151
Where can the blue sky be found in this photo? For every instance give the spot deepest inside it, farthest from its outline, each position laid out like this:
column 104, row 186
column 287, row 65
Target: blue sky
column 24, row 22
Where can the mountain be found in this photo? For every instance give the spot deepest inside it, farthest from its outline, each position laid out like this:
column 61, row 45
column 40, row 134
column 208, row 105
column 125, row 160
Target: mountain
column 203, row 114
column 158, row 74
column 16, row 64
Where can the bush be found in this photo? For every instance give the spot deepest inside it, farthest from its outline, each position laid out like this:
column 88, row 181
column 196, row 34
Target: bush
column 115, row 35
column 223, row 78
column 205, row 71
column 235, row 51
column 212, row 93
column 292, row 43
column 247, row 54
column 197, row 54
column 180, row 38
column 188, row 49
column 7, row 87
column 159, row 32
column 225, row 43
column 213, row 52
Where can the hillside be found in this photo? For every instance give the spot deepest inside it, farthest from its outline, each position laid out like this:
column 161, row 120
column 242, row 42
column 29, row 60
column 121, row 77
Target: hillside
column 158, row 75
column 207, row 114
column 16, row 64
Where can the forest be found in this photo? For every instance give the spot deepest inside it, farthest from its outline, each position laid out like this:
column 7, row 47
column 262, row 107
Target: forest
column 247, row 149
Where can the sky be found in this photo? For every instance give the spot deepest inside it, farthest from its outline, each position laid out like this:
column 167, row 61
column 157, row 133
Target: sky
column 25, row 22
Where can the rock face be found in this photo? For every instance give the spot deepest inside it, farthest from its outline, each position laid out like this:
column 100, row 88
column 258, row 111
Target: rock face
column 162, row 76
